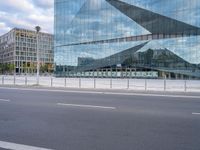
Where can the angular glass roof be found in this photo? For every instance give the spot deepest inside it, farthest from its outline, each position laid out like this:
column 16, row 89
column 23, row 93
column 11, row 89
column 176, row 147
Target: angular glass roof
column 98, row 20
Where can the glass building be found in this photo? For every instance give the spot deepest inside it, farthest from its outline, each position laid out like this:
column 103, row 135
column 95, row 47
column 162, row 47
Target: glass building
column 127, row 38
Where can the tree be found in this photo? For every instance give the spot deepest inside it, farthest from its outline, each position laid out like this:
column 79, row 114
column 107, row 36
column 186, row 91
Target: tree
column 44, row 68
column 11, row 68
column 32, row 67
column 1, row 68
column 5, row 68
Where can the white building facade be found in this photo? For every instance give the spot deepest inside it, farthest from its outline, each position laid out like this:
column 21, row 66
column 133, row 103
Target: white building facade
column 18, row 50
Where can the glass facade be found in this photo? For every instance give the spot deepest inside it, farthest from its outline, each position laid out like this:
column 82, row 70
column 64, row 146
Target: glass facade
column 127, row 38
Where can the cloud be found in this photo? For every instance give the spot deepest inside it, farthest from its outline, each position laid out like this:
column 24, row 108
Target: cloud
column 44, row 3
column 26, row 14
column 4, row 27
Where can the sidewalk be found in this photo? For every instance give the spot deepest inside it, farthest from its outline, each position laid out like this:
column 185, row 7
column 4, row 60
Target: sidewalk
column 195, row 95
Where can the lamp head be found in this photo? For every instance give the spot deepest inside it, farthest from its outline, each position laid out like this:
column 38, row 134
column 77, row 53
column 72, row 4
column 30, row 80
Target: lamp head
column 37, row 28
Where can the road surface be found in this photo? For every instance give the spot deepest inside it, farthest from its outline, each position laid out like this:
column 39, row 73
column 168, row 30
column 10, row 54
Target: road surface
column 34, row 119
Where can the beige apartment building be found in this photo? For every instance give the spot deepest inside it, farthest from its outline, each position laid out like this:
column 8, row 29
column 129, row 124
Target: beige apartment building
column 18, row 51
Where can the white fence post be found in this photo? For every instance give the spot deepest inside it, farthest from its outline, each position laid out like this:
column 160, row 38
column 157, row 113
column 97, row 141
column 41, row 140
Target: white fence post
column 37, row 80
column 65, row 81
column 185, row 86
column 94, row 83
column 111, row 83
column 79, row 82
column 25, row 80
column 128, row 83
column 165, row 84
column 145, row 84
column 51, row 82
column 2, row 80
column 14, row 80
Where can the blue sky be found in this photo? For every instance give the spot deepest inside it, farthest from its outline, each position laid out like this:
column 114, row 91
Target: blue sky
column 26, row 14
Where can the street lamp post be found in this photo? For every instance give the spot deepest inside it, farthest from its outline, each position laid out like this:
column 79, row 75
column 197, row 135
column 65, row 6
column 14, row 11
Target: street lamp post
column 3, row 63
column 38, row 28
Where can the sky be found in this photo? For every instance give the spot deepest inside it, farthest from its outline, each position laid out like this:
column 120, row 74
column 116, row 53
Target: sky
column 30, row 13
column 26, row 14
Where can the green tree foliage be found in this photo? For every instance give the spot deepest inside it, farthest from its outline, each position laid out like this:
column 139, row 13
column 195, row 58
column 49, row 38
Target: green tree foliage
column 7, row 68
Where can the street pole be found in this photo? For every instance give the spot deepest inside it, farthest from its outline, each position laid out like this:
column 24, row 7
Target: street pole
column 3, row 67
column 3, row 63
column 37, row 28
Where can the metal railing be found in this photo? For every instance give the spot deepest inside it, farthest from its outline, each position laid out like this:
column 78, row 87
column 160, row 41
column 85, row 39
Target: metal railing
column 105, row 83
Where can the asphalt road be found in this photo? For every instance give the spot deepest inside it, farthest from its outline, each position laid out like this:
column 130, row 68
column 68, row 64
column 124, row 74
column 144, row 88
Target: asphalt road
column 75, row 120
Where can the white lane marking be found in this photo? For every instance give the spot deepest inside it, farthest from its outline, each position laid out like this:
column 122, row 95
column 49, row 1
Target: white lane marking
column 14, row 146
column 85, row 106
column 107, row 93
column 196, row 113
column 5, row 100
